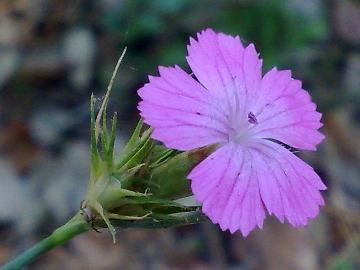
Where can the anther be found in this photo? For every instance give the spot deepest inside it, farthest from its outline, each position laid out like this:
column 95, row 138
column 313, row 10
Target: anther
column 252, row 118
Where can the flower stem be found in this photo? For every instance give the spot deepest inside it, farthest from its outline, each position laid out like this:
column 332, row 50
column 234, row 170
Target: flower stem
column 74, row 227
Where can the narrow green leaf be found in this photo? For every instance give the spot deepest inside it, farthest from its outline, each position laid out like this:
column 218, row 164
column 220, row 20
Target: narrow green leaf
column 157, row 223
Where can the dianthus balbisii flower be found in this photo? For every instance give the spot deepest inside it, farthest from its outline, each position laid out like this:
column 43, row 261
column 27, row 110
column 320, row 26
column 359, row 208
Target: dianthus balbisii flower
column 227, row 102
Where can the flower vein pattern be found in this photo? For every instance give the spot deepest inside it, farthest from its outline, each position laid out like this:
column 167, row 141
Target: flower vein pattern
column 227, row 102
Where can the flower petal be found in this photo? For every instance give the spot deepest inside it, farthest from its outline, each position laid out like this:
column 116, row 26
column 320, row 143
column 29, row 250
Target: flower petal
column 225, row 67
column 285, row 111
column 236, row 108
column 289, row 187
column 184, row 114
column 235, row 183
column 226, row 184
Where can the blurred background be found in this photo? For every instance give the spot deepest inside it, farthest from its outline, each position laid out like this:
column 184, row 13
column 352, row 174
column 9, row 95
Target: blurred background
column 55, row 53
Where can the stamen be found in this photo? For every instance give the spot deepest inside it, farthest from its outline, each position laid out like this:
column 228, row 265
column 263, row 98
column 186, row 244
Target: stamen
column 252, row 119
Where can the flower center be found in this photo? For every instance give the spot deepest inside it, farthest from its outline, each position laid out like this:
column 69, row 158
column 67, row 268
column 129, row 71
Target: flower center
column 244, row 130
column 252, row 118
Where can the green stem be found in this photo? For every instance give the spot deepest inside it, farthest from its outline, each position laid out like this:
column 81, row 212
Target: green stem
column 74, row 227
column 78, row 225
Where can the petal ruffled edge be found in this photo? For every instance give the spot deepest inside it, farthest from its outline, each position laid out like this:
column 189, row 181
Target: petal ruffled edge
column 286, row 113
column 289, row 187
column 184, row 115
column 236, row 183
column 224, row 184
column 225, row 67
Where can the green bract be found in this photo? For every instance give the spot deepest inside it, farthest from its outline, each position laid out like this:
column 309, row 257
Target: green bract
column 136, row 187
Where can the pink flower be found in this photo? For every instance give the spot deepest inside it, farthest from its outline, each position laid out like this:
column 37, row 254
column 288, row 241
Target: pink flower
column 231, row 105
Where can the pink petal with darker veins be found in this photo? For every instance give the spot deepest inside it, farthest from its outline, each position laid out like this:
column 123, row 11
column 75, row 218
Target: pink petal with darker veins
column 184, row 114
column 288, row 186
column 285, row 111
column 225, row 67
column 226, row 185
column 236, row 183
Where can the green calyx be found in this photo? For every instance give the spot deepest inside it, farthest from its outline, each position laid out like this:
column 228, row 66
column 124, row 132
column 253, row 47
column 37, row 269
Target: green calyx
column 137, row 187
